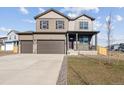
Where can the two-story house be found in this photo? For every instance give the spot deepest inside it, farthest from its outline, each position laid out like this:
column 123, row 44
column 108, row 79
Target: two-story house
column 57, row 33
column 2, row 43
column 11, row 41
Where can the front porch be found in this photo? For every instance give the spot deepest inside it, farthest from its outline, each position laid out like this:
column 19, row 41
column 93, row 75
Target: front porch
column 81, row 42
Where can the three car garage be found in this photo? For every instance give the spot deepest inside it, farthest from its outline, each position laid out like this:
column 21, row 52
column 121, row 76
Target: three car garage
column 42, row 43
column 44, row 46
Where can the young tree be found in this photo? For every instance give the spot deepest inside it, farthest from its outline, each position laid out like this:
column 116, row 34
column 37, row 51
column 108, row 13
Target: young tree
column 109, row 36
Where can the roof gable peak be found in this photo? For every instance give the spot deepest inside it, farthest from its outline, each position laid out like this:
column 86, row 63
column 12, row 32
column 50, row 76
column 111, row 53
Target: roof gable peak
column 41, row 14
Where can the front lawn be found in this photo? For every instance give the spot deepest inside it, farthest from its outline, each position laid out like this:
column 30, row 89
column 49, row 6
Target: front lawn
column 92, row 70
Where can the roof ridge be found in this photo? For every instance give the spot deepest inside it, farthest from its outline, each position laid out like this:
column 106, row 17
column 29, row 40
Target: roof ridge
column 69, row 18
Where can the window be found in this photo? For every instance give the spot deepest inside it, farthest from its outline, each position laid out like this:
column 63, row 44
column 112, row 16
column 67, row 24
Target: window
column 44, row 25
column 84, row 39
column 83, row 25
column 14, row 37
column 59, row 24
column 9, row 37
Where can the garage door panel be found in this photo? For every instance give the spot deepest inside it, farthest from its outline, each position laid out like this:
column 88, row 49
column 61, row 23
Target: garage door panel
column 26, row 46
column 50, row 47
column 9, row 46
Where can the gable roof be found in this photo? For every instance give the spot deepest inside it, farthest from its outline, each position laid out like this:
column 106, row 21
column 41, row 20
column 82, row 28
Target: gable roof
column 3, row 37
column 13, row 31
column 25, row 33
column 63, row 15
column 50, row 11
column 85, row 16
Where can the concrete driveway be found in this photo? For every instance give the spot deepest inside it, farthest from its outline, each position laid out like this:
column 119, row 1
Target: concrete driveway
column 30, row 69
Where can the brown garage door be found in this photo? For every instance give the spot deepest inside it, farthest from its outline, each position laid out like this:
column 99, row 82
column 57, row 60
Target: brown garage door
column 26, row 46
column 50, row 47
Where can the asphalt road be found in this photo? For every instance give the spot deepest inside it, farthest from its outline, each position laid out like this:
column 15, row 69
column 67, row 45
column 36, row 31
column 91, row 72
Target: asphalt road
column 30, row 69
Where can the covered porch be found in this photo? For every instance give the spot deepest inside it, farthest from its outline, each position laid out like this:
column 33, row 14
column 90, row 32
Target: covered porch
column 81, row 41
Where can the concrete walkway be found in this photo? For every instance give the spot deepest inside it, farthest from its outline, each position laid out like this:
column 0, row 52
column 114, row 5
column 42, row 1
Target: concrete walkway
column 31, row 69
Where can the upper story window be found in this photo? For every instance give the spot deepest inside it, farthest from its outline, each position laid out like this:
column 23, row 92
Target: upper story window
column 15, row 37
column 84, row 25
column 59, row 24
column 44, row 24
column 9, row 37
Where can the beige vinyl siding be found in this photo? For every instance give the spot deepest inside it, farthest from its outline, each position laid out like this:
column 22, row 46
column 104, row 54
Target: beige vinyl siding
column 51, row 15
column 25, row 37
column 51, row 24
column 50, row 36
column 75, row 25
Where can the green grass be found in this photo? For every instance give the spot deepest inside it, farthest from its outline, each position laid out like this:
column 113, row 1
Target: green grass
column 86, row 70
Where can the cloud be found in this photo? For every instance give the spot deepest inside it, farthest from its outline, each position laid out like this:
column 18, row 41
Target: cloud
column 41, row 10
column 99, row 18
column 28, row 21
column 75, row 11
column 3, row 29
column 97, row 25
column 72, row 15
column 24, row 10
column 119, row 18
column 115, row 18
column 107, row 18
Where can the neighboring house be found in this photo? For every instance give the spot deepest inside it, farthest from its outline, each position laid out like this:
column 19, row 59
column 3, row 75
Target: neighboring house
column 56, row 33
column 12, row 40
column 2, row 43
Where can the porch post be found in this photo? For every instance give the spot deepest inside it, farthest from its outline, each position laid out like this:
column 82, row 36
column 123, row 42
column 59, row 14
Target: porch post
column 95, row 41
column 76, row 41
column 19, row 47
column 67, row 42
column 35, row 46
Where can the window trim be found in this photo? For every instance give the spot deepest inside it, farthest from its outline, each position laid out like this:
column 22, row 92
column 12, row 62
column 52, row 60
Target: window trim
column 44, row 24
column 14, row 36
column 82, row 25
column 58, row 24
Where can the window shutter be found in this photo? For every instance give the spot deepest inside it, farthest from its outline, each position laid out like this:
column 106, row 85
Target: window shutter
column 56, row 24
column 63, row 24
column 40, row 24
column 47, row 25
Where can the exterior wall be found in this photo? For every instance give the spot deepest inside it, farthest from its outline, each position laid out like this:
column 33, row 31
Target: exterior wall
column 52, row 17
column 74, row 25
column 52, row 24
column 25, row 37
column 49, row 36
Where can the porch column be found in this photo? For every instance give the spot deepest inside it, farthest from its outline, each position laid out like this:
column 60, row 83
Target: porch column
column 19, row 47
column 76, row 41
column 67, row 41
column 35, row 46
column 95, row 41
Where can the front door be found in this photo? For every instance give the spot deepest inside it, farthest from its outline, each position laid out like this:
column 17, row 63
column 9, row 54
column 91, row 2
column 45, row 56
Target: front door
column 71, row 44
column 72, row 39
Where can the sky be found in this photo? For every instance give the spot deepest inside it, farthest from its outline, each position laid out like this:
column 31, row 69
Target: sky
column 22, row 19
